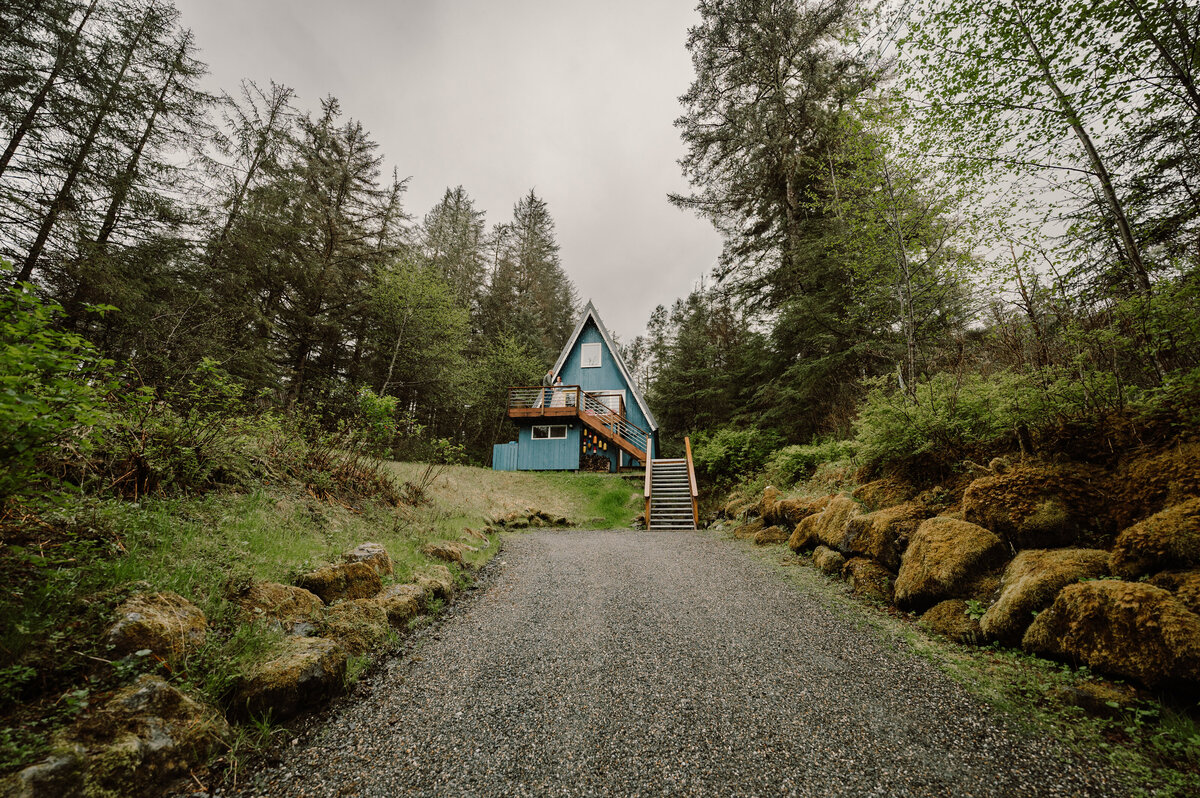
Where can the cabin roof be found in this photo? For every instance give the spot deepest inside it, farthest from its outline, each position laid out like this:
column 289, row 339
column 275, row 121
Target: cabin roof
column 589, row 312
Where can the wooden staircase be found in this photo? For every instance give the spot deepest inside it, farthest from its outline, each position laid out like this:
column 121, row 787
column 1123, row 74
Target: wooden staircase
column 671, row 492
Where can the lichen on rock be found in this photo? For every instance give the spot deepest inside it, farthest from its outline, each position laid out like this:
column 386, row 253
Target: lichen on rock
column 401, row 602
column 1166, row 540
column 437, row 581
column 374, row 555
column 1030, row 583
column 358, row 625
column 166, row 623
column 301, row 675
column 351, row 580
column 944, row 557
column 286, row 605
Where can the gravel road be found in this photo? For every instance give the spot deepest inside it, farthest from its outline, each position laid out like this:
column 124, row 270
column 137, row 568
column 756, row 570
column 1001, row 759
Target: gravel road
column 648, row 663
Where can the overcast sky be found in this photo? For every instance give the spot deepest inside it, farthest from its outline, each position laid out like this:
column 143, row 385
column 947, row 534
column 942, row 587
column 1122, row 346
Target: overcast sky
column 574, row 99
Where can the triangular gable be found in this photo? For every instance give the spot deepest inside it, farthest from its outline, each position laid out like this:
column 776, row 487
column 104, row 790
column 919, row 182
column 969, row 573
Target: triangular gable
column 590, row 312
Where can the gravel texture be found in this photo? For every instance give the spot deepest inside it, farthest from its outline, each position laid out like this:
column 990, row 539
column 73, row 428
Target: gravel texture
column 656, row 663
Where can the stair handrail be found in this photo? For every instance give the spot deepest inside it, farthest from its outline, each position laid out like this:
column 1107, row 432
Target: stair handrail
column 649, row 465
column 692, row 487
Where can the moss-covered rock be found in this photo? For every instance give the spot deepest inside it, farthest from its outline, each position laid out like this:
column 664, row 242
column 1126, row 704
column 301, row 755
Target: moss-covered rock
column 789, row 512
column 771, row 534
column 748, row 530
column 882, row 493
column 944, row 557
column 1166, row 540
column 350, row 580
column 436, row 581
column 1041, row 505
column 765, row 506
column 952, row 619
column 59, row 774
column 1128, row 629
column 446, row 551
column 1030, row 583
column 828, row 560
column 358, row 625
column 301, row 676
column 165, row 623
column 374, row 555
column 400, row 603
column 1099, row 699
column 276, row 603
column 1151, row 483
column 869, row 578
column 828, row 526
column 883, row 535
column 1185, row 585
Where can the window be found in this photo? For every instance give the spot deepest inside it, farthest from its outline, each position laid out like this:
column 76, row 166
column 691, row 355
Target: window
column 549, row 433
column 589, row 355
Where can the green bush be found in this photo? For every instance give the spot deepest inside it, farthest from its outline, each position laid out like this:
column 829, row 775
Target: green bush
column 728, row 453
column 791, row 464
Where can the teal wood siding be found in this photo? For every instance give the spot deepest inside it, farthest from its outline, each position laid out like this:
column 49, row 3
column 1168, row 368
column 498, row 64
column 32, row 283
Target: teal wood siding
column 605, row 378
column 504, row 456
column 561, row 454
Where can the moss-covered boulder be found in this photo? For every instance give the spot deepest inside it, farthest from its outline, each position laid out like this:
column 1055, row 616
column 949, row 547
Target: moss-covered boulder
column 400, row 603
column 771, row 534
column 1041, row 505
column 869, row 578
column 748, row 530
column 436, row 581
column 299, row 676
column 1030, row 583
column 1128, row 629
column 1150, row 483
column 165, row 623
column 944, row 557
column 349, row 580
column 882, row 493
column 1185, row 585
column 828, row 560
column 952, row 619
column 136, row 740
column 358, row 625
column 1166, row 540
column 286, row 605
column 446, row 551
column 374, row 555
column 765, row 506
column 883, row 535
column 789, row 512
column 828, row 527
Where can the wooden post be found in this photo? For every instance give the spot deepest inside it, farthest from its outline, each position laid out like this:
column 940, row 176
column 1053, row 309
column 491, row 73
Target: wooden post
column 649, row 465
column 687, row 446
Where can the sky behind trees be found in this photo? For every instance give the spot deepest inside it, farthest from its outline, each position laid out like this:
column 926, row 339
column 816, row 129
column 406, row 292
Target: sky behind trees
column 576, row 100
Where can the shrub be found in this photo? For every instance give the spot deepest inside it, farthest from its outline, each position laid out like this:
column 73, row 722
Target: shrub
column 791, row 464
column 729, row 453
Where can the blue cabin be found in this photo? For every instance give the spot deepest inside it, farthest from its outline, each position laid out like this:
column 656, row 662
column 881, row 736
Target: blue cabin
column 596, row 419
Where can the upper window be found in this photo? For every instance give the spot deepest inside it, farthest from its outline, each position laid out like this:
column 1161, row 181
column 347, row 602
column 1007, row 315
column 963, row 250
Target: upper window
column 589, row 355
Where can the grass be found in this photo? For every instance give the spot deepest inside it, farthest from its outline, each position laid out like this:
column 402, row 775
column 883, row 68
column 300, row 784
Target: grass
column 1153, row 745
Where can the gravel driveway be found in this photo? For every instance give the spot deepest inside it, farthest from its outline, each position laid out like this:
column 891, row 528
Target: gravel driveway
column 656, row 663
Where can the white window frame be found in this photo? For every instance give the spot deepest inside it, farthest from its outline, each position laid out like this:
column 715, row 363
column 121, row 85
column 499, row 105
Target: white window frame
column 551, row 429
column 586, row 362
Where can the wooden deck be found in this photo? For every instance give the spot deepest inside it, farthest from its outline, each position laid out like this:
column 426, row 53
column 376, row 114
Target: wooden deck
column 594, row 410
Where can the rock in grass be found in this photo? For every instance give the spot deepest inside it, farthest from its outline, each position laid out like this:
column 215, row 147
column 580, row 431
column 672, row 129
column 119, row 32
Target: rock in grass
column 135, row 741
column 883, row 535
column 869, row 578
column 447, row 551
column 1169, row 539
column 299, row 676
column 351, row 580
column 357, row 625
column 1030, row 583
column 942, row 560
column 374, row 555
column 286, row 605
column 436, row 581
column 1041, row 505
column 952, row 619
column 1128, row 629
column 771, row 534
column 400, row 603
column 1184, row 584
column 165, row 623
column 828, row 560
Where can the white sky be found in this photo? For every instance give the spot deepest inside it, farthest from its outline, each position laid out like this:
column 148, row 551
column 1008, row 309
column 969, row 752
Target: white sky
column 574, row 99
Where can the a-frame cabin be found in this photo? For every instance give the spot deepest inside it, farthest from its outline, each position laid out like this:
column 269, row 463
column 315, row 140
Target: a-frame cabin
column 598, row 412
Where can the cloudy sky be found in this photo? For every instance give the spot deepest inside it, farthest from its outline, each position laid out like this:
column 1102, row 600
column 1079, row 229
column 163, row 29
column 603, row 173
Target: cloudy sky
column 574, row 99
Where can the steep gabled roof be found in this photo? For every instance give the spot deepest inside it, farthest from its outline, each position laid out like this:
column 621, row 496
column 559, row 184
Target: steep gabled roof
column 589, row 312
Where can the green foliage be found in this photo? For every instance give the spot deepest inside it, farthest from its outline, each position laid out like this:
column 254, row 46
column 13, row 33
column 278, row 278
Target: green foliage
column 792, row 464
column 50, row 387
column 729, row 453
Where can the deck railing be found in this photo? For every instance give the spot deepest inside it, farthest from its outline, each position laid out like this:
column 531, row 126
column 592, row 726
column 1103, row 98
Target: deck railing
column 573, row 400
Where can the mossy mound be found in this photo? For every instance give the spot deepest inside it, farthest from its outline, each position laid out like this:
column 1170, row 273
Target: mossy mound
column 952, row 619
column 883, row 535
column 358, row 625
column 882, row 493
column 436, row 581
column 166, row 623
column 351, row 580
column 303, row 673
column 400, row 603
column 944, row 557
column 1151, row 483
column 828, row 560
column 771, row 534
column 272, row 601
column 1184, row 584
column 826, row 527
column 869, row 578
column 748, row 530
column 1166, row 540
column 1030, row 583
column 765, row 506
column 1042, row 505
column 789, row 512
column 1128, row 629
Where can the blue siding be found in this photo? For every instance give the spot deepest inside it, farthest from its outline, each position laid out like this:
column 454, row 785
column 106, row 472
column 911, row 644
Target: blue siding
column 548, row 455
column 504, row 456
column 605, row 378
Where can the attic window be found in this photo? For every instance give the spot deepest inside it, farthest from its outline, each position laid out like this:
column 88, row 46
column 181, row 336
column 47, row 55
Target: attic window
column 589, row 355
